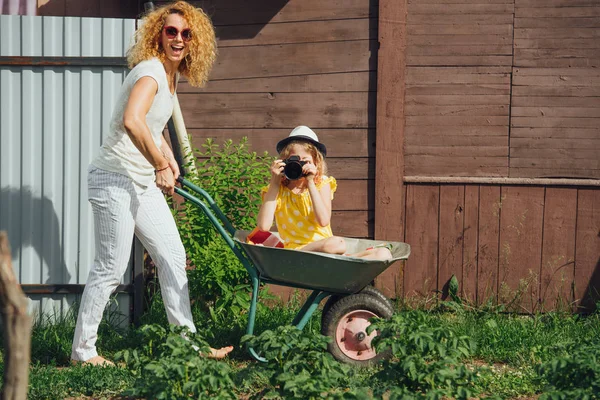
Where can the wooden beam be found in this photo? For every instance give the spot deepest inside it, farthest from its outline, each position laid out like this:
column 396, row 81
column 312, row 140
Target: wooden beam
column 389, row 164
column 477, row 180
column 16, row 324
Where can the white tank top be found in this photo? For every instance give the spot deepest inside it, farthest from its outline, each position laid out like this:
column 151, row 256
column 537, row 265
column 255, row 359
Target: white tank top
column 118, row 153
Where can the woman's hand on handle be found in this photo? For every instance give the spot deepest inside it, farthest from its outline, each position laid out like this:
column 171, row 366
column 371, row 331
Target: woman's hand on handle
column 165, row 180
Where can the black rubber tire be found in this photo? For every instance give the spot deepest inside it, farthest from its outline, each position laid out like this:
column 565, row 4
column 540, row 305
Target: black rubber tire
column 331, row 300
column 345, row 305
column 370, row 290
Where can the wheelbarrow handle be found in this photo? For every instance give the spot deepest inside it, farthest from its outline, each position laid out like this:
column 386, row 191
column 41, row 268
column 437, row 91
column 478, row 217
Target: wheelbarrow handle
column 212, row 204
column 217, row 218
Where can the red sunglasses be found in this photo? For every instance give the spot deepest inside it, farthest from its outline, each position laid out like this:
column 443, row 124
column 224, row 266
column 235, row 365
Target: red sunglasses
column 172, row 32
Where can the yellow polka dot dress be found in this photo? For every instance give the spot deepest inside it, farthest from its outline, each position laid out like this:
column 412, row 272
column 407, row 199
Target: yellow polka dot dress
column 295, row 219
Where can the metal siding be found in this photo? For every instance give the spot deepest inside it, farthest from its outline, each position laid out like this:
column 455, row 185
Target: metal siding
column 32, row 203
column 52, row 122
column 10, row 159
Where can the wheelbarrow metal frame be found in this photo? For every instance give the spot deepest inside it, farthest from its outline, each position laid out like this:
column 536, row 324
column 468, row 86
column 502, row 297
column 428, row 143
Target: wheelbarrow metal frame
column 293, row 268
column 227, row 231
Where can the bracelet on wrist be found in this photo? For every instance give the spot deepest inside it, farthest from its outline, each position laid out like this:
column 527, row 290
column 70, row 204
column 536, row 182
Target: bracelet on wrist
column 161, row 169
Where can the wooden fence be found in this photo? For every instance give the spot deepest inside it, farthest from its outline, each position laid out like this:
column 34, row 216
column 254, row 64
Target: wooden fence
column 433, row 111
column 534, row 248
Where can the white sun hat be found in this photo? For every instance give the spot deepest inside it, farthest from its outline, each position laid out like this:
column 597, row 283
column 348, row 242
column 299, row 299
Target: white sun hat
column 302, row 133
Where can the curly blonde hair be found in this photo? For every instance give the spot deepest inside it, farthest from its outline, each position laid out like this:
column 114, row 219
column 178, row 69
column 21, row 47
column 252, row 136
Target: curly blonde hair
column 202, row 52
column 314, row 152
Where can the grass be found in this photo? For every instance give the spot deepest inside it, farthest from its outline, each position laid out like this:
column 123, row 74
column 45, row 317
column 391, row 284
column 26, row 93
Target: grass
column 50, row 382
column 509, row 346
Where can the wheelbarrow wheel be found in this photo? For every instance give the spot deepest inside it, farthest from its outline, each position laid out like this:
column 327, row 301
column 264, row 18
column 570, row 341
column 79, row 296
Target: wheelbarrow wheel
column 346, row 324
column 370, row 290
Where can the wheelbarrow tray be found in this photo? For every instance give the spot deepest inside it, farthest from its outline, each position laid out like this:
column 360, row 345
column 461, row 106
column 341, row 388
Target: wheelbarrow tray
column 321, row 271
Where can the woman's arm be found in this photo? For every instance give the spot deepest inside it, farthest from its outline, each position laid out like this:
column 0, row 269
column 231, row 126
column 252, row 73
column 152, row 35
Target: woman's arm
column 266, row 214
column 134, row 121
column 168, row 153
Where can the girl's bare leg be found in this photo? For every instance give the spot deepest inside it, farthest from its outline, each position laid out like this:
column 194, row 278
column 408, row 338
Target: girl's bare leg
column 378, row 253
column 331, row 245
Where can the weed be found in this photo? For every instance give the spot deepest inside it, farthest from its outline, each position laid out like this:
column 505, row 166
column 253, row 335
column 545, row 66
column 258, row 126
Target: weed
column 50, row 383
column 52, row 335
column 575, row 374
column 425, row 357
column 169, row 366
column 233, row 176
column 512, row 358
column 508, row 382
column 298, row 365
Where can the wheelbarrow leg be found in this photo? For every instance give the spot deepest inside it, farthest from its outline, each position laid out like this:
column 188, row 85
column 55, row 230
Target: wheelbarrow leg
column 252, row 317
column 308, row 308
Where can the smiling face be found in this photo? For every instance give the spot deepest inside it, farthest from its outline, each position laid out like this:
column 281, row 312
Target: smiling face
column 175, row 47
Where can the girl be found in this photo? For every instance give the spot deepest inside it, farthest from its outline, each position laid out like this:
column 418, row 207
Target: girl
column 302, row 207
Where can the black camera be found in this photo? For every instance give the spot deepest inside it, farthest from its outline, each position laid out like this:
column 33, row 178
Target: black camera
column 293, row 168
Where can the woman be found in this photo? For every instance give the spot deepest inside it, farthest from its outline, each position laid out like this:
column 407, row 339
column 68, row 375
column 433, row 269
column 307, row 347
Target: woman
column 135, row 165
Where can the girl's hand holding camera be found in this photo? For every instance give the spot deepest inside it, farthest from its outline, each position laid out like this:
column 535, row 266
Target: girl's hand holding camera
column 310, row 170
column 277, row 171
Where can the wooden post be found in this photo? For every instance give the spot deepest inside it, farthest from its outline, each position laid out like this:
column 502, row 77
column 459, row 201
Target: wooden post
column 17, row 328
column 389, row 156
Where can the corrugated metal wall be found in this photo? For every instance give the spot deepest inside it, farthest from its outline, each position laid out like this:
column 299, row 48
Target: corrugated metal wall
column 52, row 122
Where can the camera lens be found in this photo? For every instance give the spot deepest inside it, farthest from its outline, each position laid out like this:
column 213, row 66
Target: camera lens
column 293, row 170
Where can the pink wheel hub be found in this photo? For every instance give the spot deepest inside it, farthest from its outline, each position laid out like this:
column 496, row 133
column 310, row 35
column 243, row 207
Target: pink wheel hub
column 351, row 335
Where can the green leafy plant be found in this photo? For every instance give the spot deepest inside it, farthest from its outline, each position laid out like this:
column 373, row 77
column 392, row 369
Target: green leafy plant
column 233, row 176
column 453, row 289
column 298, row 365
column 512, row 359
column 575, row 374
column 169, row 366
column 426, row 359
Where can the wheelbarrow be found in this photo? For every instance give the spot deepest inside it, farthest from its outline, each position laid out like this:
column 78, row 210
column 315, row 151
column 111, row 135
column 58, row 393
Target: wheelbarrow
column 345, row 280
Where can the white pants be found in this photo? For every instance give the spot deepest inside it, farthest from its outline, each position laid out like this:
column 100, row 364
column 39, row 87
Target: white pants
column 119, row 212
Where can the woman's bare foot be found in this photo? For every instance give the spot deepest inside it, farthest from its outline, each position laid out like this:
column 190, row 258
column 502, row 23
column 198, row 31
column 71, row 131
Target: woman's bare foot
column 98, row 360
column 219, row 353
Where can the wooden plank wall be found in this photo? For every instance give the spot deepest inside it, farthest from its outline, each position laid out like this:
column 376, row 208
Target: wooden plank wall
column 555, row 111
column 531, row 248
column 389, row 163
column 296, row 62
column 458, row 55
column 90, row 8
column 503, row 88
